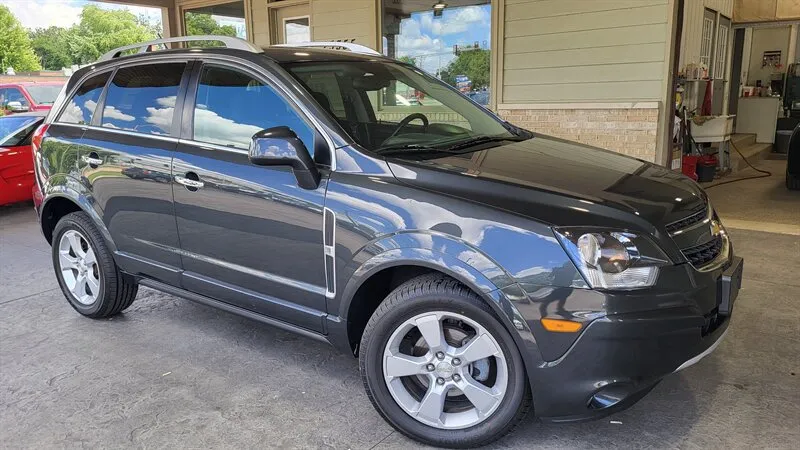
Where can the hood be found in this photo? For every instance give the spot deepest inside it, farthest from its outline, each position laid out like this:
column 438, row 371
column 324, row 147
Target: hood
column 558, row 182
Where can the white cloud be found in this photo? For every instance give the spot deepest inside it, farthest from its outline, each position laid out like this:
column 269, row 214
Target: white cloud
column 211, row 127
column 455, row 21
column 110, row 112
column 65, row 13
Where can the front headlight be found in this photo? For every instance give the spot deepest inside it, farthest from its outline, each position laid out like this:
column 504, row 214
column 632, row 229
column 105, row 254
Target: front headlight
column 613, row 259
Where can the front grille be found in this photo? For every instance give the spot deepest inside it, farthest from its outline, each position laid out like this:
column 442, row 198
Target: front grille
column 687, row 222
column 702, row 254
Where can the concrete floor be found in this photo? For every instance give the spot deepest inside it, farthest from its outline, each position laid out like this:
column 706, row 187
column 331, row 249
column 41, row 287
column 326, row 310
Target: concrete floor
column 169, row 373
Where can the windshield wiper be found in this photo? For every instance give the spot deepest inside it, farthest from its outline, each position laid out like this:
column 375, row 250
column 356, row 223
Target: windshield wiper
column 406, row 148
column 477, row 141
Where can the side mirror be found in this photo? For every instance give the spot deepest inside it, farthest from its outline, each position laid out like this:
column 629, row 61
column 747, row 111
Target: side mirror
column 280, row 146
column 16, row 107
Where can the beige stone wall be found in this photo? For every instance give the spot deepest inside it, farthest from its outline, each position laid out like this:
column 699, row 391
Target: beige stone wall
column 628, row 131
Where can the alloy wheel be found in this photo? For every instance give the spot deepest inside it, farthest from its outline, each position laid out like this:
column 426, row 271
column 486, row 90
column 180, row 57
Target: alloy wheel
column 78, row 266
column 445, row 370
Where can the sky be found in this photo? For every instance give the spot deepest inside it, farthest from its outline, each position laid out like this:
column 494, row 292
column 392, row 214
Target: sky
column 430, row 39
column 65, row 13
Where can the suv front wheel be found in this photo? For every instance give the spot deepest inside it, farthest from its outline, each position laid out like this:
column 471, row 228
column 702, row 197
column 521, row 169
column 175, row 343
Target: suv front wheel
column 440, row 367
column 86, row 272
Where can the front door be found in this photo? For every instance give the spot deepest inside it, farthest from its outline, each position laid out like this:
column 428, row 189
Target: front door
column 292, row 24
column 250, row 236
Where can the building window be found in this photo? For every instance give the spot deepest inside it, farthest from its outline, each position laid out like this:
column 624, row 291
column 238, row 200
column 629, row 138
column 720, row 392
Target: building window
column 722, row 52
column 451, row 42
column 224, row 19
column 706, row 45
column 296, row 30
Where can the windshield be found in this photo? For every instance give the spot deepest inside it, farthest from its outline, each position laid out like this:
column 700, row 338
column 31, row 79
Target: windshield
column 391, row 106
column 14, row 129
column 44, row 94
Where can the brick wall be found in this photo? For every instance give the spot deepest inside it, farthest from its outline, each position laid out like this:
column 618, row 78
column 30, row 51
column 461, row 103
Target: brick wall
column 631, row 131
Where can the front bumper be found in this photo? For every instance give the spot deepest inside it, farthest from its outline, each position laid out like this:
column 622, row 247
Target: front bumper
column 618, row 358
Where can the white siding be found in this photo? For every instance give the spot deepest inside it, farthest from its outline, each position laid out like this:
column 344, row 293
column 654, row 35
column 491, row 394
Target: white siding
column 345, row 20
column 693, row 26
column 584, row 51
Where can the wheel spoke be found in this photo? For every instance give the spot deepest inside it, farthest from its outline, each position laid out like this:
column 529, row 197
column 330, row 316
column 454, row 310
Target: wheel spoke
column 400, row 365
column 66, row 260
column 75, row 244
column 479, row 347
column 432, row 405
column 89, row 259
column 93, row 283
column 80, row 287
column 431, row 329
column 482, row 397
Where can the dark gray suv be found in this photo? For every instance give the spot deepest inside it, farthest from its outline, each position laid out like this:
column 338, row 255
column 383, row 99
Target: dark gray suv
column 476, row 269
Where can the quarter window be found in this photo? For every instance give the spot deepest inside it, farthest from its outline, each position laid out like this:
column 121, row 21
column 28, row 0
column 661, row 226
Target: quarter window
column 80, row 108
column 142, row 98
column 232, row 106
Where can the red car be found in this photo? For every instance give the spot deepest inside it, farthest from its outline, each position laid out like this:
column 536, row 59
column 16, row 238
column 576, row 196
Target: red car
column 16, row 160
column 23, row 97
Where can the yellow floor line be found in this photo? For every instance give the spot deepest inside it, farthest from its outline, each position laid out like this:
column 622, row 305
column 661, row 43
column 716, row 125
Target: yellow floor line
column 768, row 227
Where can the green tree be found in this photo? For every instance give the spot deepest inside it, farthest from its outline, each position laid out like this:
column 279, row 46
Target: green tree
column 15, row 45
column 200, row 24
column 102, row 30
column 475, row 64
column 408, row 59
column 52, row 47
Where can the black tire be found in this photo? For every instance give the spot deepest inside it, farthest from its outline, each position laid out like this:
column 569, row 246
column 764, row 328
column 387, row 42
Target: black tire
column 117, row 290
column 792, row 181
column 436, row 292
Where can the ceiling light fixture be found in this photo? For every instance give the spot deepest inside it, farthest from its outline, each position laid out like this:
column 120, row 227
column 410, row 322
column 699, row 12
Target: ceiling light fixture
column 438, row 9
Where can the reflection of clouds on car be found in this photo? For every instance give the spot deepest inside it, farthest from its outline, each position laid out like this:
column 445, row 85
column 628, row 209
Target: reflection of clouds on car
column 162, row 117
column 277, row 151
column 73, row 114
column 211, row 127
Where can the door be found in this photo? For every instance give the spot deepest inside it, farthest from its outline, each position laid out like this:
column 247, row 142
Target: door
column 125, row 159
column 292, row 24
column 250, row 236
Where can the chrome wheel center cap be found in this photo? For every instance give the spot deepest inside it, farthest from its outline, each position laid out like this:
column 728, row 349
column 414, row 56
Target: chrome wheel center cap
column 445, row 370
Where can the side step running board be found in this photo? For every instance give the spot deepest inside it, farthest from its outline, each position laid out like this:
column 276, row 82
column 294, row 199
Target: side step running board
column 178, row 292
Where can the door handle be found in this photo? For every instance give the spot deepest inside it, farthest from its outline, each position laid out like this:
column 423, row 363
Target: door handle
column 188, row 182
column 92, row 159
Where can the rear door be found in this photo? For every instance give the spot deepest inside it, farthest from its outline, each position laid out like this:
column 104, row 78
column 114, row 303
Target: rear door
column 250, row 236
column 125, row 160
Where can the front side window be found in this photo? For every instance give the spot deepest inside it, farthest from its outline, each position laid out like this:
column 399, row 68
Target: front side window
column 81, row 106
column 392, row 106
column 232, row 106
column 142, row 98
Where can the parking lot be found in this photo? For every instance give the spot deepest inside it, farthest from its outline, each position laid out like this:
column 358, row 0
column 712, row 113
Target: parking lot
column 169, row 373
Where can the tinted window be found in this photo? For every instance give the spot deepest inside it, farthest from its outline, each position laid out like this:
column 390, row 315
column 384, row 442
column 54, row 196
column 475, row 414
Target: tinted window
column 231, row 107
column 15, row 129
column 142, row 98
column 81, row 107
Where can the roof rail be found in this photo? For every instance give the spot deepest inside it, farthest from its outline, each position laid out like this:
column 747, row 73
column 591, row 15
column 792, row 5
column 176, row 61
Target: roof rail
column 144, row 47
column 333, row 45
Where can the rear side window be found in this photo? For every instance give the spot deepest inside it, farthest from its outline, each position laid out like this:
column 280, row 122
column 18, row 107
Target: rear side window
column 82, row 105
column 142, row 98
column 232, row 106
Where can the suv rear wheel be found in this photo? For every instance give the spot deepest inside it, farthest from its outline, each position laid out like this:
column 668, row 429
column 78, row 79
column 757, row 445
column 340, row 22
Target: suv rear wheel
column 440, row 367
column 86, row 271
